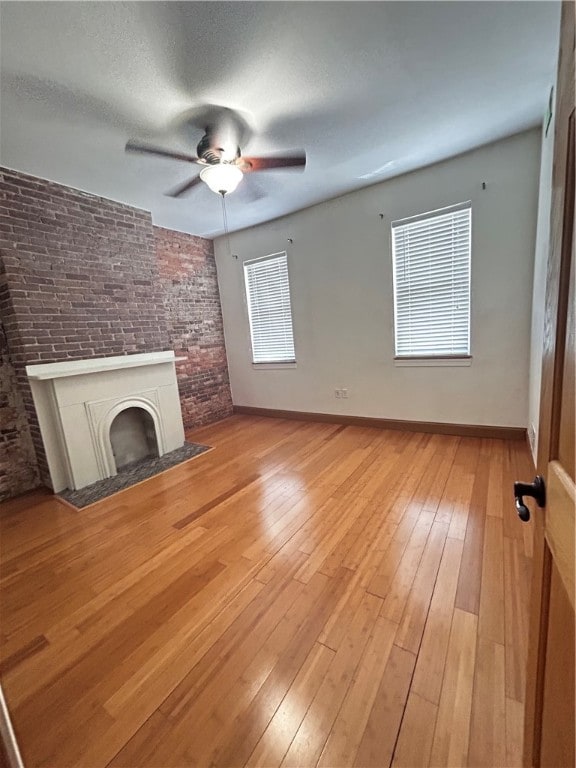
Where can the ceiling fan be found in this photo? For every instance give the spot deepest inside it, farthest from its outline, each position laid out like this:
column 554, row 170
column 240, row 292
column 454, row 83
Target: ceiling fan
column 223, row 163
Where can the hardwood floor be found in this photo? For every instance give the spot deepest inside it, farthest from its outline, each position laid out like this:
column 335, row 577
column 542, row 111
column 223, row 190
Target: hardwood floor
column 304, row 594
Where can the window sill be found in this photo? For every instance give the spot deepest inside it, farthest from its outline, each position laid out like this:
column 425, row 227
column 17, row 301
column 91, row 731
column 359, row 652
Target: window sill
column 433, row 362
column 272, row 366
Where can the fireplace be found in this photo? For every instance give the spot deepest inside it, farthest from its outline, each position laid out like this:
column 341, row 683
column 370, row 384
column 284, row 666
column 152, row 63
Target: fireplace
column 96, row 416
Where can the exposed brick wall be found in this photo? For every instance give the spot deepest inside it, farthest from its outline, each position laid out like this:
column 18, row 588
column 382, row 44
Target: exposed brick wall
column 18, row 465
column 189, row 285
column 83, row 280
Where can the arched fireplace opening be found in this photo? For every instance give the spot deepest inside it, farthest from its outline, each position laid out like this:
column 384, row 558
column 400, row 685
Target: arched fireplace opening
column 133, row 437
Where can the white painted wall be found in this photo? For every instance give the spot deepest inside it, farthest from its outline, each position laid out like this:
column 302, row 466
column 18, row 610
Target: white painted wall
column 341, row 286
column 539, row 290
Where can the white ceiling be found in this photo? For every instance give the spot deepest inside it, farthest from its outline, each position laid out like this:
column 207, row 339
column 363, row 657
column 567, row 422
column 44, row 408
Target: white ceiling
column 368, row 89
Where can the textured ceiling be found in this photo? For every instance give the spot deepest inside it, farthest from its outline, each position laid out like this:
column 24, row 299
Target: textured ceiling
column 369, row 90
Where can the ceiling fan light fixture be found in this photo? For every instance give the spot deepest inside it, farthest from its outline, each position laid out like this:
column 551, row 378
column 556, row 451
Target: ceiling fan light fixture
column 222, row 178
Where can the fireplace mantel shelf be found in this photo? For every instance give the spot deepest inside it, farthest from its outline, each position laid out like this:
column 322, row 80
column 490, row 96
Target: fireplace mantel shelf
column 45, row 371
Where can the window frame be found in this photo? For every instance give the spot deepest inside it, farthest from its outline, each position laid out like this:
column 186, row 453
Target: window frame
column 439, row 358
column 267, row 364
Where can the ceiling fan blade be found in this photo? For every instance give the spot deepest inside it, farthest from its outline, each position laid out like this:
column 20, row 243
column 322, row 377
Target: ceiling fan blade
column 147, row 149
column 292, row 160
column 185, row 187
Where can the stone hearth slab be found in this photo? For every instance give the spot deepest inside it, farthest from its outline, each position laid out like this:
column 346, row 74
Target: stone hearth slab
column 131, row 474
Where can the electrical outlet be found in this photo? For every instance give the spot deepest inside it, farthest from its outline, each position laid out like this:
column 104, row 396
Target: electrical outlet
column 337, row 393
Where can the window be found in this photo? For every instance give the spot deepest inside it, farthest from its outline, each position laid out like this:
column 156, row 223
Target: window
column 269, row 309
column 431, row 262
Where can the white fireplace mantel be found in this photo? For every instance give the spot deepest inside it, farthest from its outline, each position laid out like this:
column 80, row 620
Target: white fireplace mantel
column 77, row 400
column 80, row 367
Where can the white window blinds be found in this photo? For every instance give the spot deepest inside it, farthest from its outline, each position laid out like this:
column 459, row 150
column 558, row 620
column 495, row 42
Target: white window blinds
column 431, row 260
column 269, row 309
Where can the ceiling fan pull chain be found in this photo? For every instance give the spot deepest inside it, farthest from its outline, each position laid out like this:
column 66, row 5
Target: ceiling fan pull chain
column 225, row 217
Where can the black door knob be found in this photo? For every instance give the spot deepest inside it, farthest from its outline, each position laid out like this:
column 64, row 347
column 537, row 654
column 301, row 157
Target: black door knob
column 537, row 490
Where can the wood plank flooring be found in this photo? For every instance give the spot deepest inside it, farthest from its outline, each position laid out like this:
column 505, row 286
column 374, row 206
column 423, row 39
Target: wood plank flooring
column 303, row 595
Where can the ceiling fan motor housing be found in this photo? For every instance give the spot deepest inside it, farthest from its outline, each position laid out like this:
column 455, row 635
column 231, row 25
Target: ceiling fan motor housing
column 210, row 154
